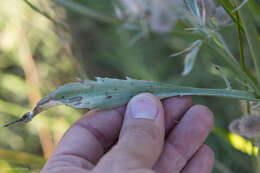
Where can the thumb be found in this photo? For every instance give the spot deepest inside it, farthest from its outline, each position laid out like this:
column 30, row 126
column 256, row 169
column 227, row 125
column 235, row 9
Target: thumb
column 141, row 137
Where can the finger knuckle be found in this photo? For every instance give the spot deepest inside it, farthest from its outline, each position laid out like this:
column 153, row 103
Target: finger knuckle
column 146, row 132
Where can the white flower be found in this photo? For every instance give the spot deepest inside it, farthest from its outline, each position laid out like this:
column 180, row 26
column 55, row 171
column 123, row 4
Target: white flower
column 136, row 8
column 162, row 15
column 165, row 14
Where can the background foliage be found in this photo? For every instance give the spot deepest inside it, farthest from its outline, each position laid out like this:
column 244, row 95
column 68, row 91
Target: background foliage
column 37, row 55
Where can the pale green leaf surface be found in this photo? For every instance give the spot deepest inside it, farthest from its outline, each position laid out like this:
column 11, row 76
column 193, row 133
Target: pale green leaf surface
column 106, row 93
column 191, row 57
column 194, row 44
column 192, row 4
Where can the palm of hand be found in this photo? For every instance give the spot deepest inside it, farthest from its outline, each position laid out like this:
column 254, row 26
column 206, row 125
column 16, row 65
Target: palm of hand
column 169, row 142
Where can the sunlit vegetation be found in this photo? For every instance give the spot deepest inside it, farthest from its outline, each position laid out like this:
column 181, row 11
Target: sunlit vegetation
column 44, row 44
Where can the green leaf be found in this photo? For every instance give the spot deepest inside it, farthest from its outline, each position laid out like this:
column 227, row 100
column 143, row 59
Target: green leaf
column 191, row 57
column 252, row 37
column 226, row 4
column 218, row 39
column 106, row 93
column 193, row 6
column 221, row 48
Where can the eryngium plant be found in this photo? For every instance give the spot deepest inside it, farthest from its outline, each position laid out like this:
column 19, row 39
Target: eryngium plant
column 204, row 18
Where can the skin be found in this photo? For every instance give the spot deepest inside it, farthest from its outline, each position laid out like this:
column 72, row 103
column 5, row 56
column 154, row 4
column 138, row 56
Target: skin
column 112, row 141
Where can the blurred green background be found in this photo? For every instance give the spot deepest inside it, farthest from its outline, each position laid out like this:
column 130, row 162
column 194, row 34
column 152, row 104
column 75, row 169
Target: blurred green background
column 37, row 55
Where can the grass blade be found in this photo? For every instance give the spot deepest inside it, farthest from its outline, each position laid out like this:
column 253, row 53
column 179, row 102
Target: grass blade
column 228, row 7
column 252, row 37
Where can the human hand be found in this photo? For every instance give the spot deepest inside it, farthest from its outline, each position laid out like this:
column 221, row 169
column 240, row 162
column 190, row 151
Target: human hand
column 147, row 136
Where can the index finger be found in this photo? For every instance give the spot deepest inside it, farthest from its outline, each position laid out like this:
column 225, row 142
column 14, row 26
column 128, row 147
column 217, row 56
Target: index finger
column 87, row 139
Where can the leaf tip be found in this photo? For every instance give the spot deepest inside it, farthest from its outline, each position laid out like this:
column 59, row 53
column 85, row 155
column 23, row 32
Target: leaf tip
column 25, row 118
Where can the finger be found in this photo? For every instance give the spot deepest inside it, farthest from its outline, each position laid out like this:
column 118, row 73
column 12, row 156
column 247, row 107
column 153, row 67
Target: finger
column 141, row 137
column 201, row 162
column 185, row 139
column 84, row 143
column 174, row 109
column 141, row 171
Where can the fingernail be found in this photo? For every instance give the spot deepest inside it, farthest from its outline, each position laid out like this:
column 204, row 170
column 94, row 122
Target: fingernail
column 143, row 106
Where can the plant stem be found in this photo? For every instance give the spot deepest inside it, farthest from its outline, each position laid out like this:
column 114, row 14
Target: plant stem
column 242, row 56
column 252, row 37
column 235, row 66
column 241, row 47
